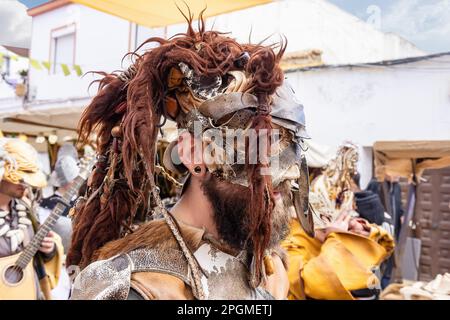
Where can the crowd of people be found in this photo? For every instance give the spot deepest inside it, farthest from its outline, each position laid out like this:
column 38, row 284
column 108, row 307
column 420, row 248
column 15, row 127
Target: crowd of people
column 237, row 230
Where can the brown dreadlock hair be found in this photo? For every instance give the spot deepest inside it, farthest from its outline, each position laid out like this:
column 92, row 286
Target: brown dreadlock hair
column 126, row 117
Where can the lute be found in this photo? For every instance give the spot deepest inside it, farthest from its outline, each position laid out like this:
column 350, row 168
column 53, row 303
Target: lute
column 17, row 274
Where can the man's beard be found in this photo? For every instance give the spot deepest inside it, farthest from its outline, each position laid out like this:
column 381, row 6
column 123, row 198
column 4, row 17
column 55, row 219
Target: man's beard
column 230, row 201
column 12, row 190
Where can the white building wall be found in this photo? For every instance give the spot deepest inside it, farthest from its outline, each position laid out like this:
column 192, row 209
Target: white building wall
column 9, row 102
column 16, row 66
column 312, row 24
column 101, row 42
column 369, row 104
column 102, row 39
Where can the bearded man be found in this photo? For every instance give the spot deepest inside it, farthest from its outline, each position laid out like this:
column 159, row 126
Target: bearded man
column 221, row 239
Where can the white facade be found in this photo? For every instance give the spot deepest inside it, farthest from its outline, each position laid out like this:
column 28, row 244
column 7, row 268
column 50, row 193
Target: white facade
column 9, row 102
column 309, row 24
column 101, row 40
column 316, row 24
column 368, row 104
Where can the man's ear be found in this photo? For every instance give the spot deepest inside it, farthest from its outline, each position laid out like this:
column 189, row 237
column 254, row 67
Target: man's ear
column 184, row 146
column 190, row 154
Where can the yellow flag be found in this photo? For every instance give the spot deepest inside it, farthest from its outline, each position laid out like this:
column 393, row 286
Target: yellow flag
column 13, row 57
column 46, row 64
column 78, row 70
column 1, row 61
column 35, row 64
column 65, row 69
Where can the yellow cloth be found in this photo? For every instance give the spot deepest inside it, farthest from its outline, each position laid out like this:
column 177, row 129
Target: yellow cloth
column 342, row 263
column 53, row 266
column 158, row 13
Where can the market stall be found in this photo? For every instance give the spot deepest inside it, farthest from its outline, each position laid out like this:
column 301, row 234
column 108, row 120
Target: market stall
column 409, row 159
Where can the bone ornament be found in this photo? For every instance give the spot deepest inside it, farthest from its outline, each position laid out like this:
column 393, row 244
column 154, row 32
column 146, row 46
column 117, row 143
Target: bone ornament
column 16, row 237
column 22, row 214
column 4, row 229
column 26, row 221
column 20, row 207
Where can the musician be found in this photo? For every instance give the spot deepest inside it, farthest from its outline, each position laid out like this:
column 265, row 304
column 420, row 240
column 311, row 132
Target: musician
column 18, row 172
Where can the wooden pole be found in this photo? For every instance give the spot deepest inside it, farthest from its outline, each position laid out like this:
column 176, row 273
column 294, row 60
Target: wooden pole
column 405, row 227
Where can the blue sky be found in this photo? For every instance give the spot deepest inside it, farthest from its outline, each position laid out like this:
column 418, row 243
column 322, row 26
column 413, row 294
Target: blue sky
column 426, row 23
column 358, row 7
column 32, row 3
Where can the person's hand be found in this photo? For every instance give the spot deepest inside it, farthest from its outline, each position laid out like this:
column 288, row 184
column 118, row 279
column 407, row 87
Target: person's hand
column 48, row 244
column 278, row 282
column 341, row 224
column 359, row 226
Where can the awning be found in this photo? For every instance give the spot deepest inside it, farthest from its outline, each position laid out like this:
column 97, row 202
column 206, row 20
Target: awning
column 158, row 13
column 317, row 155
column 301, row 59
column 61, row 122
column 406, row 158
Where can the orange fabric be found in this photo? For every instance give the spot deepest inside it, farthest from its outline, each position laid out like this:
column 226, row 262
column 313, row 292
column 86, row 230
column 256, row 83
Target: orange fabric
column 332, row 269
column 158, row 13
column 53, row 267
column 160, row 286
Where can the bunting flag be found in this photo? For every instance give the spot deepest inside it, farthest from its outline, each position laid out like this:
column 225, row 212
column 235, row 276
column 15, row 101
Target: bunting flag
column 46, row 65
column 65, row 69
column 41, row 65
column 77, row 69
column 35, row 64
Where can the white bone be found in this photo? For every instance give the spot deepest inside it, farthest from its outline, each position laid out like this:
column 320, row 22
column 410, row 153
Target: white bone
column 20, row 207
column 22, row 214
column 4, row 229
column 26, row 221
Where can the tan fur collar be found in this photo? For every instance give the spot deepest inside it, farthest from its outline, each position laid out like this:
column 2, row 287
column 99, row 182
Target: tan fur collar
column 152, row 234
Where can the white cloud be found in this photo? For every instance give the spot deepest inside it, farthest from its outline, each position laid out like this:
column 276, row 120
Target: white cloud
column 425, row 23
column 15, row 24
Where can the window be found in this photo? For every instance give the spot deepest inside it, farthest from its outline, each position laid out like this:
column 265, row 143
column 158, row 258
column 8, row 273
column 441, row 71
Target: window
column 63, row 48
column 7, row 61
column 142, row 33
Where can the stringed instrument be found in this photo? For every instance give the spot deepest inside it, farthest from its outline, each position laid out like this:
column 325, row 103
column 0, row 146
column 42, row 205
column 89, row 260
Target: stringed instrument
column 17, row 276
